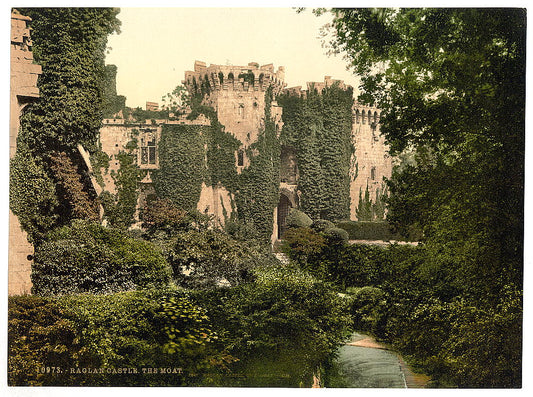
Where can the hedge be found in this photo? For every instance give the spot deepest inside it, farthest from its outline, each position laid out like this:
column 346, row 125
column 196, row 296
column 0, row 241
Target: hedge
column 362, row 230
column 87, row 257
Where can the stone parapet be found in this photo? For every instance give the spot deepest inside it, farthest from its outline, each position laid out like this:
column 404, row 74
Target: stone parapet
column 234, row 78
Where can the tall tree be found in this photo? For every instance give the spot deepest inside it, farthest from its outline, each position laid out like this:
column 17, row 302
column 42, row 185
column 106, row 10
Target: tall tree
column 450, row 83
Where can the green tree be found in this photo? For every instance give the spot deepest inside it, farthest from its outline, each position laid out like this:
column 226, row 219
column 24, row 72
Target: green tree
column 451, row 80
column 451, row 86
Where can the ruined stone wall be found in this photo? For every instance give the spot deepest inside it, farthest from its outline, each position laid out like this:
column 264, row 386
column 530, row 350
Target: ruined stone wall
column 23, row 90
column 237, row 94
column 371, row 161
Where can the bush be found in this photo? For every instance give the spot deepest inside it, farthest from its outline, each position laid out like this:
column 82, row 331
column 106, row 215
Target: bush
column 368, row 307
column 282, row 328
column 321, row 225
column 209, row 258
column 300, row 243
column 336, row 236
column 297, row 218
column 39, row 336
column 87, row 257
column 136, row 329
column 360, row 230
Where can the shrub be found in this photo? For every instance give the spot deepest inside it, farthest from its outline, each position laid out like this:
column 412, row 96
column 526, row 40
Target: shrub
column 336, row 236
column 39, row 336
column 282, row 328
column 135, row 329
column 86, row 257
column 300, row 243
column 321, row 225
column 368, row 307
column 361, row 230
column 297, row 218
column 209, row 258
column 162, row 215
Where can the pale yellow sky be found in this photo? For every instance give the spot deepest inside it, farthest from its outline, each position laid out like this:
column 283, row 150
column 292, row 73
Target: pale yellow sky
column 157, row 45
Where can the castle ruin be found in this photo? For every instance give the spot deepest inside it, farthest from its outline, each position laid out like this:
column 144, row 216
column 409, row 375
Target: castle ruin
column 237, row 95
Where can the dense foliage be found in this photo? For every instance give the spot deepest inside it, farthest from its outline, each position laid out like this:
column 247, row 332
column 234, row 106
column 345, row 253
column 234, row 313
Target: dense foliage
column 52, row 340
column 276, row 331
column 34, row 203
column 86, row 257
column 120, row 207
column 258, row 193
column 113, row 103
column 451, row 83
column 76, row 201
column 451, row 86
column 182, row 168
column 425, row 314
column 284, row 327
column 319, row 126
column 69, row 44
column 210, row 258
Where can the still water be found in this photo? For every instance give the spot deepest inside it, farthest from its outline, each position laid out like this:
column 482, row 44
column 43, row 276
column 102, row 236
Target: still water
column 365, row 367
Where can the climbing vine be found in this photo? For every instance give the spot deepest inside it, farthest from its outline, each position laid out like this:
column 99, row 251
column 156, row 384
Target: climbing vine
column 120, row 207
column 318, row 126
column 372, row 209
column 182, row 166
column 258, row 193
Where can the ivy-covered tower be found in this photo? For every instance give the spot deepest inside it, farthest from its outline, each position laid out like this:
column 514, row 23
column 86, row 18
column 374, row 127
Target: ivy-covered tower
column 243, row 99
column 237, row 94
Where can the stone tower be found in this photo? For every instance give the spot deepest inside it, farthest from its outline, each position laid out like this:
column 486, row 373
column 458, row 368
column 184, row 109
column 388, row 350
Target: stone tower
column 24, row 74
column 372, row 161
column 237, row 94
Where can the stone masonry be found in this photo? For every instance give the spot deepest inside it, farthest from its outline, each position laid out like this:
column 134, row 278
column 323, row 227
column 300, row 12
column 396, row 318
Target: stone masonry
column 371, row 162
column 23, row 90
column 237, row 94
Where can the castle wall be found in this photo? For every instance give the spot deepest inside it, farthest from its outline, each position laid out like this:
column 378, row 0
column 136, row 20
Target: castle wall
column 23, row 90
column 237, row 94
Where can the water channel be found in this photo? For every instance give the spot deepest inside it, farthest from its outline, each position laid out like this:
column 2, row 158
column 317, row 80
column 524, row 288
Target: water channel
column 363, row 363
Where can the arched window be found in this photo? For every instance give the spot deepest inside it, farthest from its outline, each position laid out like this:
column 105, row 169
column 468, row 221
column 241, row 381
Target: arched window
column 240, row 158
column 357, row 116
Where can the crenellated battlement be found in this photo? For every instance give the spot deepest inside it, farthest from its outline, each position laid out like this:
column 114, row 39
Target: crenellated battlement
column 248, row 78
column 316, row 85
column 364, row 114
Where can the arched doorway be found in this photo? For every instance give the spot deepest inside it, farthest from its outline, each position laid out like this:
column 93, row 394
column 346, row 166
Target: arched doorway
column 284, row 207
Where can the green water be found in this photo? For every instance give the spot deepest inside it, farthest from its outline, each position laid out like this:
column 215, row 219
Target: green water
column 364, row 367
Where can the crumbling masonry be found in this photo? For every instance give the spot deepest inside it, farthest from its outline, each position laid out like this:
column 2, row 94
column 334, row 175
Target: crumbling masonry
column 237, row 94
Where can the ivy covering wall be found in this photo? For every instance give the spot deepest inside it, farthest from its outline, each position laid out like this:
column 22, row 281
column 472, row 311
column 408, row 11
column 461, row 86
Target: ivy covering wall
column 258, row 193
column 191, row 154
column 319, row 126
column 182, row 165
column 69, row 44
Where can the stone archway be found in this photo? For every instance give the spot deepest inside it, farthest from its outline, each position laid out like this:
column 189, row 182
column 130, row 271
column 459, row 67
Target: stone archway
column 284, row 207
